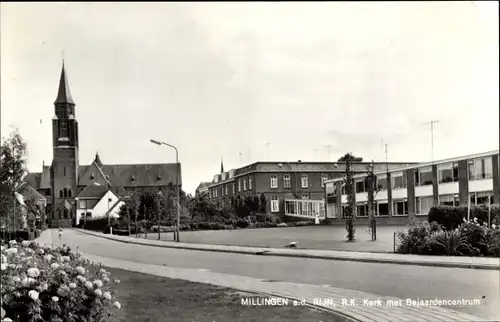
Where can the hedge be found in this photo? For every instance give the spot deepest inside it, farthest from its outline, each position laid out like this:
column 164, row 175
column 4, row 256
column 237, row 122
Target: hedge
column 451, row 217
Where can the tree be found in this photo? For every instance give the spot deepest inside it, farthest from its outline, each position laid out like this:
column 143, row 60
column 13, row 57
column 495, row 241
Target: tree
column 349, row 189
column 350, row 157
column 371, row 181
column 263, row 203
column 12, row 172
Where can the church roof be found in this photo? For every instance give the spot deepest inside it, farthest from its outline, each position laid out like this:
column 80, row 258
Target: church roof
column 94, row 191
column 64, row 94
column 133, row 175
column 39, row 180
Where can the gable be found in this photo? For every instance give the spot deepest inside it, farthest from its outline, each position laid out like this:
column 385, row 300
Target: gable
column 93, row 191
column 91, row 175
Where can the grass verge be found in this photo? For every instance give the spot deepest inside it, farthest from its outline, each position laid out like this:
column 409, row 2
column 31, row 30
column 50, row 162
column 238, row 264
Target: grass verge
column 156, row 299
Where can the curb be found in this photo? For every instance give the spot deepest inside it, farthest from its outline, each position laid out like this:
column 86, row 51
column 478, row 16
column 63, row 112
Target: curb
column 250, row 251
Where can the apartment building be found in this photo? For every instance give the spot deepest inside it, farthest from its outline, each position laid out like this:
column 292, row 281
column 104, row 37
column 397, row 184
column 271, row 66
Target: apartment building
column 282, row 180
column 412, row 190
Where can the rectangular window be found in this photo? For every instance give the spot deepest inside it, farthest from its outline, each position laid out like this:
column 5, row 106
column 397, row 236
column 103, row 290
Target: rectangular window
column 425, row 176
column 448, row 172
column 360, row 185
column 239, row 185
column 398, row 180
column 226, row 189
column 64, row 169
column 275, row 205
column 382, row 182
column 383, row 209
column 481, row 169
column 234, row 190
column 324, row 177
column 305, row 181
column 245, row 184
column 286, row 181
column 484, row 197
column 83, row 204
column 274, row 181
column 423, row 205
column 362, row 210
column 400, row 208
column 446, row 200
column 249, row 183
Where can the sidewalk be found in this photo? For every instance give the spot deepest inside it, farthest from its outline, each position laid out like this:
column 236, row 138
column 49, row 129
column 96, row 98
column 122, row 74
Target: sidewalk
column 360, row 311
column 436, row 261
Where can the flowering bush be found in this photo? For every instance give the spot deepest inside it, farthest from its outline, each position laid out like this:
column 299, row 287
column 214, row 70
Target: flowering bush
column 469, row 239
column 43, row 284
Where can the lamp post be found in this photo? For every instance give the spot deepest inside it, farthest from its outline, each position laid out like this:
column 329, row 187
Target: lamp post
column 176, row 184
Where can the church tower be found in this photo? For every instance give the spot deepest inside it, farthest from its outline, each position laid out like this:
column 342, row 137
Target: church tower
column 64, row 169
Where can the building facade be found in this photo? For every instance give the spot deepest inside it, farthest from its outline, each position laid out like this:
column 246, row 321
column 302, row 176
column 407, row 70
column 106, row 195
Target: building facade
column 65, row 178
column 410, row 192
column 278, row 181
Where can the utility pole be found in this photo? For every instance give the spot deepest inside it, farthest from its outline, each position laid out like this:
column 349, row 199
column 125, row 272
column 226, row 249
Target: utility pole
column 432, row 122
column 386, row 160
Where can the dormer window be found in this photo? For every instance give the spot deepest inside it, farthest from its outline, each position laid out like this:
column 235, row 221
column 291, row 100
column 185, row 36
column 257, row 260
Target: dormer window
column 133, row 178
column 92, row 177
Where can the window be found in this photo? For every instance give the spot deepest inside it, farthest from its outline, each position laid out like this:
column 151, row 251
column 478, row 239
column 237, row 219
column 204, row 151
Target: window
column 226, row 188
column 398, row 180
column 305, row 181
column 382, row 182
column 286, row 181
column 65, row 213
column 360, row 185
column 245, row 184
column 275, row 206
column 60, row 194
column 423, row 205
column 65, row 192
column 69, row 193
column 448, row 172
column 249, row 183
column 64, row 170
column 83, row 204
column 362, row 210
column 239, row 185
column 217, row 188
column 324, row 177
column 89, row 214
column 234, row 188
column 424, row 176
column 305, row 205
column 446, row 200
column 481, row 169
column 483, row 198
column 382, row 209
column 400, row 208
column 274, row 181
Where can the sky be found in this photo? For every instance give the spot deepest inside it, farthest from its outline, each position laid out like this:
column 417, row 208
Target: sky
column 254, row 81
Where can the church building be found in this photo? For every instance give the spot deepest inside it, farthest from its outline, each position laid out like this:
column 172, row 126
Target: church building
column 65, row 179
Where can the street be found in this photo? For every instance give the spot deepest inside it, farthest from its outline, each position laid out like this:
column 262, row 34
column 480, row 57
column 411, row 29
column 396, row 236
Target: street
column 402, row 281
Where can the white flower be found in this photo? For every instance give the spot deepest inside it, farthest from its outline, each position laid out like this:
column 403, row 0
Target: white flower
column 25, row 243
column 12, row 242
column 63, row 273
column 102, row 271
column 2, row 248
column 98, row 283
column 80, row 270
column 88, row 285
column 40, row 251
column 11, row 251
column 65, row 259
column 494, row 226
column 33, row 272
column 105, row 279
column 72, row 285
column 48, row 257
column 55, row 298
column 33, row 294
column 22, row 253
column 117, row 305
column 54, row 265
column 16, row 279
column 24, row 281
column 107, row 295
column 81, row 278
column 117, row 281
column 31, row 280
column 98, row 292
column 4, row 266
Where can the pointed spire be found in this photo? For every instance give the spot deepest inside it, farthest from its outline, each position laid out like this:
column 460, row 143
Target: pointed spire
column 64, row 94
column 221, row 166
column 97, row 160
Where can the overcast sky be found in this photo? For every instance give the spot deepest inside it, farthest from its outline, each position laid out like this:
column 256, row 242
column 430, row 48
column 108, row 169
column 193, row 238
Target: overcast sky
column 220, row 79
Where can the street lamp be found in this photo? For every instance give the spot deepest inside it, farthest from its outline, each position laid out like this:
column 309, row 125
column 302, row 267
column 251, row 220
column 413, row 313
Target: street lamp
column 177, row 185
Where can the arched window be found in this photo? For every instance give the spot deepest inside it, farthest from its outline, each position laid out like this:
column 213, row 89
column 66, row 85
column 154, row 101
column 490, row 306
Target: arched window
column 60, row 193
column 69, row 193
column 65, row 192
column 65, row 213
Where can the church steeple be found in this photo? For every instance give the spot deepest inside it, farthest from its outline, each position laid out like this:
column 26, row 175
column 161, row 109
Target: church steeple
column 221, row 166
column 64, row 94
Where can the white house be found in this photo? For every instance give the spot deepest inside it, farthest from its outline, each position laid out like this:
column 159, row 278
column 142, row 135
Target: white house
column 97, row 201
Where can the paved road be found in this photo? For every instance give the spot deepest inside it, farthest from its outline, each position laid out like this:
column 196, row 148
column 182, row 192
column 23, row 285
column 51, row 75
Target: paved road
column 308, row 237
column 401, row 281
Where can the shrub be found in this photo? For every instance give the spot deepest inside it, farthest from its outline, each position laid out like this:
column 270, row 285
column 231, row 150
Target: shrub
column 452, row 217
column 493, row 240
column 242, row 223
column 415, row 241
column 451, row 243
column 44, row 284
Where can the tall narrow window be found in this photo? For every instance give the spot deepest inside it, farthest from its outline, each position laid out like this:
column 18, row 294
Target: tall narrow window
column 275, row 206
column 249, row 183
column 324, row 177
column 286, row 181
column 64, row 169
column 65, row 192
column 305, row 181
column 60, row 194
column 69, row 193
column 245, row 184
column 274, row 181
